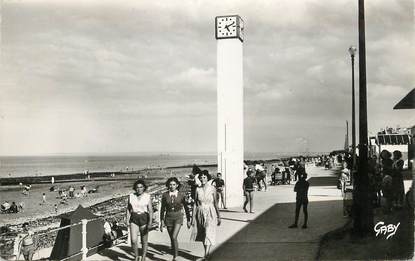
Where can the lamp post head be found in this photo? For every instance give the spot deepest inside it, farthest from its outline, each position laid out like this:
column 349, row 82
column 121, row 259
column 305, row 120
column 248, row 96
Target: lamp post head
column 352, row 50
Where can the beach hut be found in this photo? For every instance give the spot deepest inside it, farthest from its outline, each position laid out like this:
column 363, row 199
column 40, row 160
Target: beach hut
column 68, row 242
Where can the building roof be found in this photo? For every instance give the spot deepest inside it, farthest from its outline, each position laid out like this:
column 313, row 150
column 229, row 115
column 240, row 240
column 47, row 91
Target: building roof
column 407, row 102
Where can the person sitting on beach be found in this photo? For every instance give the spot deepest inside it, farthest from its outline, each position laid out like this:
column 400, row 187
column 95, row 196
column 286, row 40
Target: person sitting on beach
column 26, row 189
column 14, row 208
column 301, row 187
column 171, row 214
column 106, row 238
column 248, row 188
column 71, row 192
column 116, row 230
column 139, row 216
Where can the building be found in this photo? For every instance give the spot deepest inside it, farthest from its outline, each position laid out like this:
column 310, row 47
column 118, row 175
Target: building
column 391, row 139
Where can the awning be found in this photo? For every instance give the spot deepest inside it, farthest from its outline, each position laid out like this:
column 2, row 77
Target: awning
column 408, row 102
column 394, row 139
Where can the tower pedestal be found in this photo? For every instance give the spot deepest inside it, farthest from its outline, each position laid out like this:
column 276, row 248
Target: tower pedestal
column 230, row 118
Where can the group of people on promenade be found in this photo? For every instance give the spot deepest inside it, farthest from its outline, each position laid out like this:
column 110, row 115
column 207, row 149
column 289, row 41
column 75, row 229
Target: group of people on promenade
column 199, row 203
column 386, row 179
column 202, row 214
column 386, row 176
column 202, row 219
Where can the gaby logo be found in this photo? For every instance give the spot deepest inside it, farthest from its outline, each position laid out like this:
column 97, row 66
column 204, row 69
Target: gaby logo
column 389, row 230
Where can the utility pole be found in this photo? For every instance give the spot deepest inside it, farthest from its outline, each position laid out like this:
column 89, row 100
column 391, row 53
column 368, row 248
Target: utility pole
column 363, row 212
column 352, row 51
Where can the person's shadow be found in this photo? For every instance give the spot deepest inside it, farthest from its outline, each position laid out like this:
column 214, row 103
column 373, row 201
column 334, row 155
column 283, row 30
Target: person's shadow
column 114, row 255
column 160, row 250
column 165, row 250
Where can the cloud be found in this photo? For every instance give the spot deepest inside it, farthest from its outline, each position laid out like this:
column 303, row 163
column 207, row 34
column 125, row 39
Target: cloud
column 114, row 66
column 194, row 78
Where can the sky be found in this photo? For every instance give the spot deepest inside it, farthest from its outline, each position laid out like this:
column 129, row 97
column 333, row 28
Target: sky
column 137, row 76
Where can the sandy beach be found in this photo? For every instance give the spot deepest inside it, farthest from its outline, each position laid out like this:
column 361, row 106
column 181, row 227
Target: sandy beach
column 107, row 188
column 109, row 200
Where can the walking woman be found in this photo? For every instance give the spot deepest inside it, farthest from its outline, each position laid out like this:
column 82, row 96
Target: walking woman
column 206, row 214
column 139, row 216
column 27, row 244
column 171, row 215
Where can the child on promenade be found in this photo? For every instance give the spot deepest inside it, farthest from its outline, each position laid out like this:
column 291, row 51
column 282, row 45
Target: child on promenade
column 248, row 188
column 139, row 216
column 220, row 185
column 171, row 214
column 301, row 187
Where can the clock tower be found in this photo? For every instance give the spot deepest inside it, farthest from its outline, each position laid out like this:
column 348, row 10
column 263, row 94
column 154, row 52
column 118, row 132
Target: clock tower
column 229, row 33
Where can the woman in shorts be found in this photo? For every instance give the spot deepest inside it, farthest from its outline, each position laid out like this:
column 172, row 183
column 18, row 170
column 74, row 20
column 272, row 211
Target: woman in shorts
column 171, row 213
column 27, row 243
column 139, row 216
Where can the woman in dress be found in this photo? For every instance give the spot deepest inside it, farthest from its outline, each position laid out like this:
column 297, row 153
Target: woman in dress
column 171, row 215
column 139, row 216
column 206, row 214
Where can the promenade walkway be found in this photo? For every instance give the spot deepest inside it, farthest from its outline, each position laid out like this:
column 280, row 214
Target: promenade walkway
column 261, row 236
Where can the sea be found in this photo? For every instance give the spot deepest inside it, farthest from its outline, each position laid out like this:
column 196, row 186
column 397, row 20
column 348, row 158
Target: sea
column 23, row 166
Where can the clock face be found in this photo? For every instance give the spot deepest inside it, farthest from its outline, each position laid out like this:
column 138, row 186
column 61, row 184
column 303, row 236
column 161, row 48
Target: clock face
column 226, row 27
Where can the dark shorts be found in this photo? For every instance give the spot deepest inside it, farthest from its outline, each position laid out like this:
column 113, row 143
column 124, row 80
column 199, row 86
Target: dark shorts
column 139, row 219
column 173, row 218
column 28, row 250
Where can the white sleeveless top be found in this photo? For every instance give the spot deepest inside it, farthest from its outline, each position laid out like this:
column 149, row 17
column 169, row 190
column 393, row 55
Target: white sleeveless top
column 139, row 204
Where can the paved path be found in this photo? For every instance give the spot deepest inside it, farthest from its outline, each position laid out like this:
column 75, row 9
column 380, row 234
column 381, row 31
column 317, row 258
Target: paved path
column 261, row 236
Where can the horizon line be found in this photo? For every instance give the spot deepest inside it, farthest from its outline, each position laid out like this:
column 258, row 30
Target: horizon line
column 153, row 153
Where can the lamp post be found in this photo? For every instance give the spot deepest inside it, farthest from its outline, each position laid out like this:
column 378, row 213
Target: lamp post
column 352, row 51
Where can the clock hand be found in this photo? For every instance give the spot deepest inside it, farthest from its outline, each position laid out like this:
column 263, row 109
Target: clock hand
column 227, row 26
